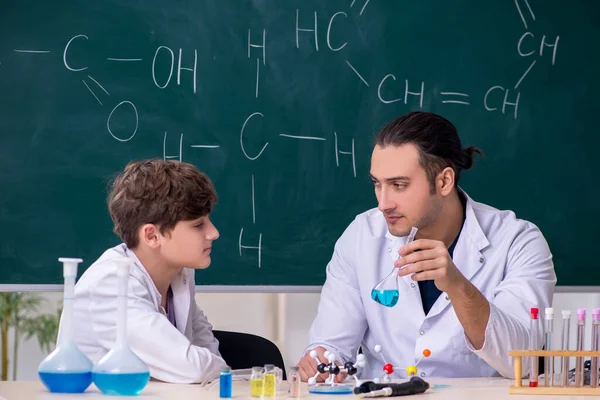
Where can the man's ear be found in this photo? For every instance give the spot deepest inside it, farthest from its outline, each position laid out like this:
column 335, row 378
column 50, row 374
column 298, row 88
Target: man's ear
column 445, row 181
column 150, row 235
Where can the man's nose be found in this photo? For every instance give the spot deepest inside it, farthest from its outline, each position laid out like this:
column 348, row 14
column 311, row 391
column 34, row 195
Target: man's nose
column 385, row 203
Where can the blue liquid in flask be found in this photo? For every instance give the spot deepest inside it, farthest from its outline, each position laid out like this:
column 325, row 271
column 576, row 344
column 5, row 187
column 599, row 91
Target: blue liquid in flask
column 121, row 371
column 66, row 369
column 66, row 382
column 124, row 384
column 387, row 298
column 386, row 291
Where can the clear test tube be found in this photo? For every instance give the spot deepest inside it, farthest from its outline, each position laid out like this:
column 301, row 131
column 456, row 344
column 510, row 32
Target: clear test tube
column 564, row 346
column 595, row 337
column 549, row 360
column 580, row 345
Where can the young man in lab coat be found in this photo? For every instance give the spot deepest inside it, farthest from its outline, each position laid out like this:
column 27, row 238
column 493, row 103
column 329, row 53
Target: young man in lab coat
column 466, row 284
column 160, row 210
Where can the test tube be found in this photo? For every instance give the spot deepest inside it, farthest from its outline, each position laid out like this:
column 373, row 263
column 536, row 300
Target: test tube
column 549, row 360
column 534, row 337
column 580, row 345
column 564, row 345
column 595, row 337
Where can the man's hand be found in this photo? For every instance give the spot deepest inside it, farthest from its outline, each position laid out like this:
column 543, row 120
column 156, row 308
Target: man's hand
column 307, row 366
column 429, row 260
column 433, row 262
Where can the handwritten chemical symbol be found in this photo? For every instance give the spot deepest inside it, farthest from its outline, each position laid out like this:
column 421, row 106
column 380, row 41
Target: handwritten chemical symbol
column 389, row 89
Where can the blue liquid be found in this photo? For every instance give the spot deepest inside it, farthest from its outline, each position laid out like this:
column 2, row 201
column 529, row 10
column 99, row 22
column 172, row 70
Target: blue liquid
column 336, row 388
column 121, row 384
column 225, row 386
column 66, row 382
column 387, row 298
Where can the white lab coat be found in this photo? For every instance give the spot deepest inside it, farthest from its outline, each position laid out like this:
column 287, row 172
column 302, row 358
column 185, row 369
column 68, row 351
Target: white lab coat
column 186, row 354
column 506, row 258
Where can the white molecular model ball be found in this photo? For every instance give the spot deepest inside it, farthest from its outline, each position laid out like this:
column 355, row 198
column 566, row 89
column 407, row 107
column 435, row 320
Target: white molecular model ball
column 360, row 360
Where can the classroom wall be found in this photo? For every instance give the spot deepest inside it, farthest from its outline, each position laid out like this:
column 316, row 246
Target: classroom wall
column 282, row 318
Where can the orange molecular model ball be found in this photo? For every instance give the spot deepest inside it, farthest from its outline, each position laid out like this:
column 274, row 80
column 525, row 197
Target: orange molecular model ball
column 426, row 352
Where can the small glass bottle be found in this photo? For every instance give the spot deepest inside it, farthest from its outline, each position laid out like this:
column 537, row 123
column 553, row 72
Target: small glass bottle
column 294, row 380
column 225, row 383
column 270, row 381
column 256, row 382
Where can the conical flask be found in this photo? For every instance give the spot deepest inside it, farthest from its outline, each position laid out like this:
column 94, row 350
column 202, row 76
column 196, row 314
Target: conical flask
column 66, row 369
column 386, row 291
column 120, row 371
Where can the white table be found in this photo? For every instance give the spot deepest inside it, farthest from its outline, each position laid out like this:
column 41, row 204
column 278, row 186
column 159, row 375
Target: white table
column 460, row 389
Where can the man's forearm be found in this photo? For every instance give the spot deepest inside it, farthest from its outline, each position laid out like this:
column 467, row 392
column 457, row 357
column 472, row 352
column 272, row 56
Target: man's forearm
column 472, row 310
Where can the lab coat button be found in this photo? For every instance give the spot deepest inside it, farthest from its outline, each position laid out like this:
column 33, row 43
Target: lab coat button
column 447, row 298
column 422, row 374
column 184, row 281
column 421, row 332
column 481, row 259
column 389, row 249
column 412, row 285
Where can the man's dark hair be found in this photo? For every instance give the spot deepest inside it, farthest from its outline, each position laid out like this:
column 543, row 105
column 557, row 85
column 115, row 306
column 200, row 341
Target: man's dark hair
column 435, row 137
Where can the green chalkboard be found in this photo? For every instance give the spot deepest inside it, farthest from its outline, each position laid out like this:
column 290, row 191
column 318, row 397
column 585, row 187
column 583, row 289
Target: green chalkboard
column 285, row 131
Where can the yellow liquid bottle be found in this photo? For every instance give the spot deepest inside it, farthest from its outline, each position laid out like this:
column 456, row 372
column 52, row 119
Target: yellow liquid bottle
column 270, row 381
column 256, row 388
column 256, row 382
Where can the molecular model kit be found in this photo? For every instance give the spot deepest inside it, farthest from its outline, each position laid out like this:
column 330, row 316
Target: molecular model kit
column 330, row 386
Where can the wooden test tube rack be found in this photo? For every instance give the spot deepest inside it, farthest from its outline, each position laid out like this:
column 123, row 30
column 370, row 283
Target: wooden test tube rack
column 519, row 388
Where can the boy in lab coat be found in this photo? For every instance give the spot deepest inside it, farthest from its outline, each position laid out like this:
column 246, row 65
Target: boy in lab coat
column 160, row 210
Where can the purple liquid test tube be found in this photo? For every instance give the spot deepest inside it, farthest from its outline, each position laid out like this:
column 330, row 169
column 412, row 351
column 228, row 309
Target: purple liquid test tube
column 595, row 337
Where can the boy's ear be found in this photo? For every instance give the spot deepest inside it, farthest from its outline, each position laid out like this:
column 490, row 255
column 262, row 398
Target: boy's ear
column 150, row 236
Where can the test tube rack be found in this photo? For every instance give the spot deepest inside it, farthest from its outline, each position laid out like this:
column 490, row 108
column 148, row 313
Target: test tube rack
column 519, row 388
